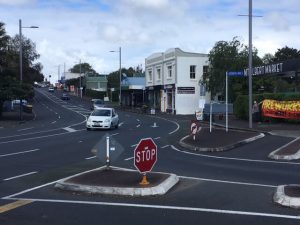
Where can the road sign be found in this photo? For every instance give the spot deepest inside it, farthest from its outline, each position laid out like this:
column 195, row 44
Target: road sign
column 145, row 155
column 194, row 128
column 235, row 73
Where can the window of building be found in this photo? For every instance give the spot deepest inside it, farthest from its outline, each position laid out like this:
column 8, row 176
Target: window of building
column 158, row 72
column 150, row 75
column 192, row 72
column 170, row 71
column 205, row 71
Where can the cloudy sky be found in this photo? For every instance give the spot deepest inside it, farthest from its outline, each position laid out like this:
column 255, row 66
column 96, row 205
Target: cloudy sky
column 70, row 30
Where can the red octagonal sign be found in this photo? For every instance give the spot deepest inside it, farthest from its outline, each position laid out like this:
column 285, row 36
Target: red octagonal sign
column 145, row 155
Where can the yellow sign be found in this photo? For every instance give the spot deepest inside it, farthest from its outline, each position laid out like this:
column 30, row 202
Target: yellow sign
column 281, row 109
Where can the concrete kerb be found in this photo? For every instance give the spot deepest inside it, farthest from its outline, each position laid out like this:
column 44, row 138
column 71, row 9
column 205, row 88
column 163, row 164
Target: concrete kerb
column 276, row 156
column 281, row 198
column 160, row 189
column 221, row 148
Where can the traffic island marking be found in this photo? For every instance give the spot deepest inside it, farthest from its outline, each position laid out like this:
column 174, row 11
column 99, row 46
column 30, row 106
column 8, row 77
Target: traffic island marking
column 14, row 205
column 118, row 181
column 288, row 195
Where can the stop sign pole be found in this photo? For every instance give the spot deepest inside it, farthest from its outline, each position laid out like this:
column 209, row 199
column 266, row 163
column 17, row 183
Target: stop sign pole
column 145, row 157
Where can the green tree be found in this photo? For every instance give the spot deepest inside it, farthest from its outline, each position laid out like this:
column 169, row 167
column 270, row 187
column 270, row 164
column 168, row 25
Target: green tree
column 85, row 68
column 228, row 56
column 286, row 53
column 10, row 86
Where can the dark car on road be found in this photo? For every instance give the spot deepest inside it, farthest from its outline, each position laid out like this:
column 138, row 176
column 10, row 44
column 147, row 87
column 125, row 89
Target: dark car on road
column 65, row 97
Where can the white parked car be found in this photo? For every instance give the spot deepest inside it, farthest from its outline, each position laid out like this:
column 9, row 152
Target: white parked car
column 102, row 118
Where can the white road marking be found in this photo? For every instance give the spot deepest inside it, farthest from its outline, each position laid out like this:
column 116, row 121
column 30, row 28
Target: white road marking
column 166, row 207
column 228, row 182
column 114, row 134
column 237, row 159
column 46, row 136
column 18, row 153
column 92, row 157
column 47, row 184
column 22, row 175
column 138, row 125
column 178, row 126
column 134, row 145
column 220, row 211
column 165, row 146
column 128, row 158
column 26, row 128
column 156, row 138
column 69, row 129
column 53, row 122
column 138, row 120
column 120, row 124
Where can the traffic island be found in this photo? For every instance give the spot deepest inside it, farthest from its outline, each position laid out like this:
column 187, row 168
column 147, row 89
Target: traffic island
column 288, row 195
column 218, row 140
column 118, row 181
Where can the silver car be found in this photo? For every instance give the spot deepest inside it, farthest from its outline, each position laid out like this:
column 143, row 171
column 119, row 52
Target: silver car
column 102, row 118
column 97, row 103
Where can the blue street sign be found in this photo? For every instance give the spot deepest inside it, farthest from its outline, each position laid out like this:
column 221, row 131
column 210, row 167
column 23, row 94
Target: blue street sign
column 235, row 73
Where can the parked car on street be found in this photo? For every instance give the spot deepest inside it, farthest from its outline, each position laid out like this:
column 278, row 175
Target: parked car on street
column 103, row 118
column 51, row 89
column 65, row 96
column 97, row 104
column 17, row 102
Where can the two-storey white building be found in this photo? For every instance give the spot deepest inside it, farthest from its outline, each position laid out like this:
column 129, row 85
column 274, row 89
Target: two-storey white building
column 173, row 80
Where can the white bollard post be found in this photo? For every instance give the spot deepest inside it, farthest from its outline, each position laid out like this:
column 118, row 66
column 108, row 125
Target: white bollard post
column 107, row 152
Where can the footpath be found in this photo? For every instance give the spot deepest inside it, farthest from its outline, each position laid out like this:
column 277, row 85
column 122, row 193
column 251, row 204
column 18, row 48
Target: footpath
column 118, row 181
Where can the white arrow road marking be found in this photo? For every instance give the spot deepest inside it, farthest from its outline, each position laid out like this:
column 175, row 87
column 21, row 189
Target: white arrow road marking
column 69, row 129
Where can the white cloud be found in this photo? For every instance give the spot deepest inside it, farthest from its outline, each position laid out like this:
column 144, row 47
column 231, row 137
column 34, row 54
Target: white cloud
column 69, row 32
column 16, row 2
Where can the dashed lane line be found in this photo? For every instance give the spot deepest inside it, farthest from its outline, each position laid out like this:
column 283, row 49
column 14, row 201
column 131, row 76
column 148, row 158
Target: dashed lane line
column 18, row 153
column 22, row 175
column 28, row 128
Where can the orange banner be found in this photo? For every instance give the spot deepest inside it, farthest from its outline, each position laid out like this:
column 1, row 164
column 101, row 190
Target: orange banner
column 281, row 109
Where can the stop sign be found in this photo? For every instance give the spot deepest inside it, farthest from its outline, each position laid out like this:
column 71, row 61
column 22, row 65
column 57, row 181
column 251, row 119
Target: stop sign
column 145, row 155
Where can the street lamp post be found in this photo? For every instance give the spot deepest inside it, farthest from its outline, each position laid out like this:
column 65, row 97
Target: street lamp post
column 120, row 93
column 21, row 59
column 250, row 16
column 80, row 78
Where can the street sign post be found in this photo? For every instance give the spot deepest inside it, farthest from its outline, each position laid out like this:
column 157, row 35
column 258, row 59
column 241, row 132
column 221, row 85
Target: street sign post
column 145, row 157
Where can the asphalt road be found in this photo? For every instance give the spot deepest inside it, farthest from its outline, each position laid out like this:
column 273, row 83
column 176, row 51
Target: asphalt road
column 233, row 187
